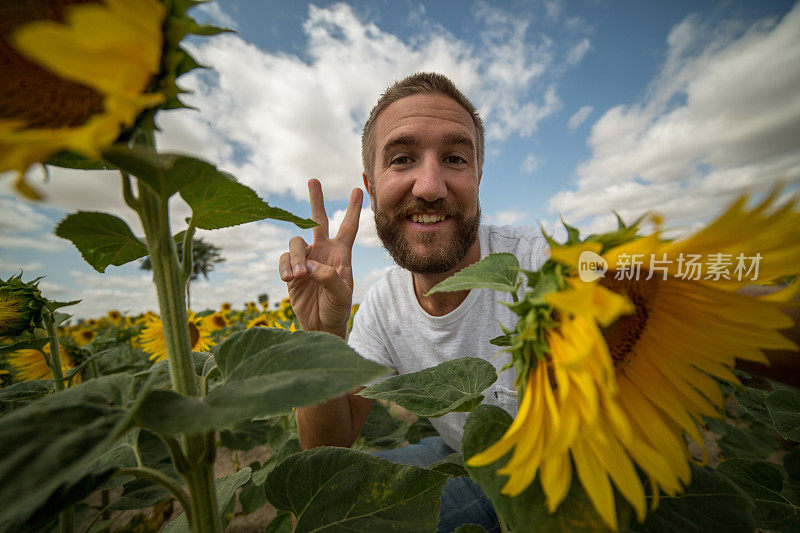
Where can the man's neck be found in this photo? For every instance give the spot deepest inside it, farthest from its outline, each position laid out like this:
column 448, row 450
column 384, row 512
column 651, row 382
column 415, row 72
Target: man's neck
column 442, row 303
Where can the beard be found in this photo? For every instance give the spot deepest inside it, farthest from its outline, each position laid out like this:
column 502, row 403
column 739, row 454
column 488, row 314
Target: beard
column 441, row 257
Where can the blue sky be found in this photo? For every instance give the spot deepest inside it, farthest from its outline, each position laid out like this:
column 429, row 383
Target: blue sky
column 590, row 107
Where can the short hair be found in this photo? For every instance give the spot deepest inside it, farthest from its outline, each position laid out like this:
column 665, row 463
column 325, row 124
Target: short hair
column 419, row 83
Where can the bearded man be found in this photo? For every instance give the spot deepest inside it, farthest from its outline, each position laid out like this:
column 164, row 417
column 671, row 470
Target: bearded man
column 422, row 150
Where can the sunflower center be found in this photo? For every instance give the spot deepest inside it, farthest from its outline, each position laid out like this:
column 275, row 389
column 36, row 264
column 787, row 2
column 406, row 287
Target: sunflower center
column 194, row 334
column 625, row 332
column 30, row 93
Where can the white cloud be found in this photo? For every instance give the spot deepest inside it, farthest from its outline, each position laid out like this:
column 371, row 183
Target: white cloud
column 553, row 9
column 367, row 236
column 217, row 15
column 275, row 119
column 531, row 163
column 577, row 52
column 579, row 117
column 27, row 267
column 46, row 242
column 723, row 116
column 507, row 217
column 17, row 216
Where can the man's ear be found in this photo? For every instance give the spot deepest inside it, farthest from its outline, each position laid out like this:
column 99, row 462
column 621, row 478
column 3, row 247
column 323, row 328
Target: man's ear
column 368, row 188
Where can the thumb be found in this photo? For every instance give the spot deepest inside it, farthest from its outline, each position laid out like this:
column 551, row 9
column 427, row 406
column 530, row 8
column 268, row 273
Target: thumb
column 330, row 280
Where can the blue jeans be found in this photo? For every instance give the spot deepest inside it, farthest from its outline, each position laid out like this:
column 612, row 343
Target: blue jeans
column 463, row 501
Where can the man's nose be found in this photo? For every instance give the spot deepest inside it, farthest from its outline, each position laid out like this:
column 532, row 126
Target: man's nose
column 429, row 184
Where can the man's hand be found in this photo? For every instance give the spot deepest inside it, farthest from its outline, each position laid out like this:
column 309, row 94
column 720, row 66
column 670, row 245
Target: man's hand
column 320, row 276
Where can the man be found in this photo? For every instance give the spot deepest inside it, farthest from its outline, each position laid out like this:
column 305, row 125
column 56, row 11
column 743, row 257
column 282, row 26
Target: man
column 422, row 150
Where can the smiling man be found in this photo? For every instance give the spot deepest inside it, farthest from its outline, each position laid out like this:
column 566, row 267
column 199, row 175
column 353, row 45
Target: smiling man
column 422, row 150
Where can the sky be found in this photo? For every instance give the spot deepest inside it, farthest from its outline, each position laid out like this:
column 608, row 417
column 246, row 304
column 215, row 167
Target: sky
column 590, row 107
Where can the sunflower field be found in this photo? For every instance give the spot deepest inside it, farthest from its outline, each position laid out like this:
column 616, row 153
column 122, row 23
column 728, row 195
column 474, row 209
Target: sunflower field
column 633, row 415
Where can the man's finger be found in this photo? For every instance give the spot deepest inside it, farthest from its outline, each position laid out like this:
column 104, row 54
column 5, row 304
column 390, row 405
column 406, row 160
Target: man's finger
column 349, row 228
column 298, row 248
column 330, row 280
column 318, row 213
column 285, row 268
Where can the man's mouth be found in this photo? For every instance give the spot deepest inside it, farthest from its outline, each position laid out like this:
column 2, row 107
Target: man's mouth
column 424, row 218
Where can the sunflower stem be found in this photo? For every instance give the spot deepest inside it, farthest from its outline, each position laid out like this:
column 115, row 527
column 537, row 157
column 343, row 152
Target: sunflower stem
column 55, row 353
column 197, row 469
column 165, row 481
column 188, row 259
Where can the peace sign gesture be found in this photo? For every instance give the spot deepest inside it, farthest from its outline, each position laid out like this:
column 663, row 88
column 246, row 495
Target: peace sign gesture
column 320, row 276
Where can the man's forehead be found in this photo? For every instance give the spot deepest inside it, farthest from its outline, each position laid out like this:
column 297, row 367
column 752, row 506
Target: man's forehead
column 400, row 118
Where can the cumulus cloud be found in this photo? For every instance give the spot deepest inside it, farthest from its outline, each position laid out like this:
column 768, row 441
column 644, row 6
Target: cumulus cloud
column 723, row 116
column 577, row 52
column 507, row 217
column 579, row 117
column 276, row 119
column 367, row 236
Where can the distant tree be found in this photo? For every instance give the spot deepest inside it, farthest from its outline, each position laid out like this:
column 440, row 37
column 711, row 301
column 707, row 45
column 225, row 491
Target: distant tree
column 263, row 299
column 205, row 257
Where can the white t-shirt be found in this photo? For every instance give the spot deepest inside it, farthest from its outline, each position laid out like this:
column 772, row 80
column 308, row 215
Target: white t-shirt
column 392, row 329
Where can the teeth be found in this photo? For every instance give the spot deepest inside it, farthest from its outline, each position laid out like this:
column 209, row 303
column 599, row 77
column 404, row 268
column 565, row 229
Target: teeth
column 427, row 219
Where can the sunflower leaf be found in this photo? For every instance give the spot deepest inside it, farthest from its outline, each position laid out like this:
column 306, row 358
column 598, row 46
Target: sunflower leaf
column 382, row 430
column 764, row 482
column 454, row 385
column 220, row 201
column 265, row 373
column 527, row 511
column 102, row 239
column 498, row 272
column 419, row 430
column 51, row 449
column 784, row 409
column 338, row 489
column 452, row 465
column 73, row 160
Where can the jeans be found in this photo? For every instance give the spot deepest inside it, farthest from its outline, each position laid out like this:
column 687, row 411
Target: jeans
column 463, row 501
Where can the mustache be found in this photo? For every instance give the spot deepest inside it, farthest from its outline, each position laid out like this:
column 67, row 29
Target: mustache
column 424, row 206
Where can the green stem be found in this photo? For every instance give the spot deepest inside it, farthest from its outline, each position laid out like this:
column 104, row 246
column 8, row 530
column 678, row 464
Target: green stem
column 197, row 469
column 55, row 353
column 165, row 481
column 66, row 518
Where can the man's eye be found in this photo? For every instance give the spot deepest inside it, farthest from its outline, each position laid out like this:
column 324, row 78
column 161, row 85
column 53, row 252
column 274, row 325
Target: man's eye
column 402, row 160
column 454, row 160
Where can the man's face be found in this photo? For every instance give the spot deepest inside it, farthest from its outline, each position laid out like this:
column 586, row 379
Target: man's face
column 425, row 190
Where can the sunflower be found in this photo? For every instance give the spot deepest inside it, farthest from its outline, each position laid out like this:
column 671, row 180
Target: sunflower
column 215, row 321
column 285, row 312
column 225, row 308
column 152, row 337
column 262, row 321
column 83, row 336
column 30, row 364
column 252, row 307
column 628, row 361
column 65, row 90
column 20, row 306
column 115, row 317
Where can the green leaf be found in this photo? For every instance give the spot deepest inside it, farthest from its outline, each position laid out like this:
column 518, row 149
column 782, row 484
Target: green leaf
column 22, row 393
column 29, row 344
column 139, row 493
column 452, row 465
column 711, row 502
column 784, row 409
column 245, row 435
column 501, row 340
column 764, row 483
column 469, row 528
column 420, row 429
column 527, row 511
column 252, row 497
column 102, row 239
column 164, row 173
column 284, row 443
column 450, row 386
column 382, row 430
column 49, row 449
column 265, row 373
column 225, row 489
column 73, row 160
column 52, row 305
column 338, row 489
column 753, row 402
column 282, row 523
column 498, row 272
column 220, row 201
column 756, row 442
